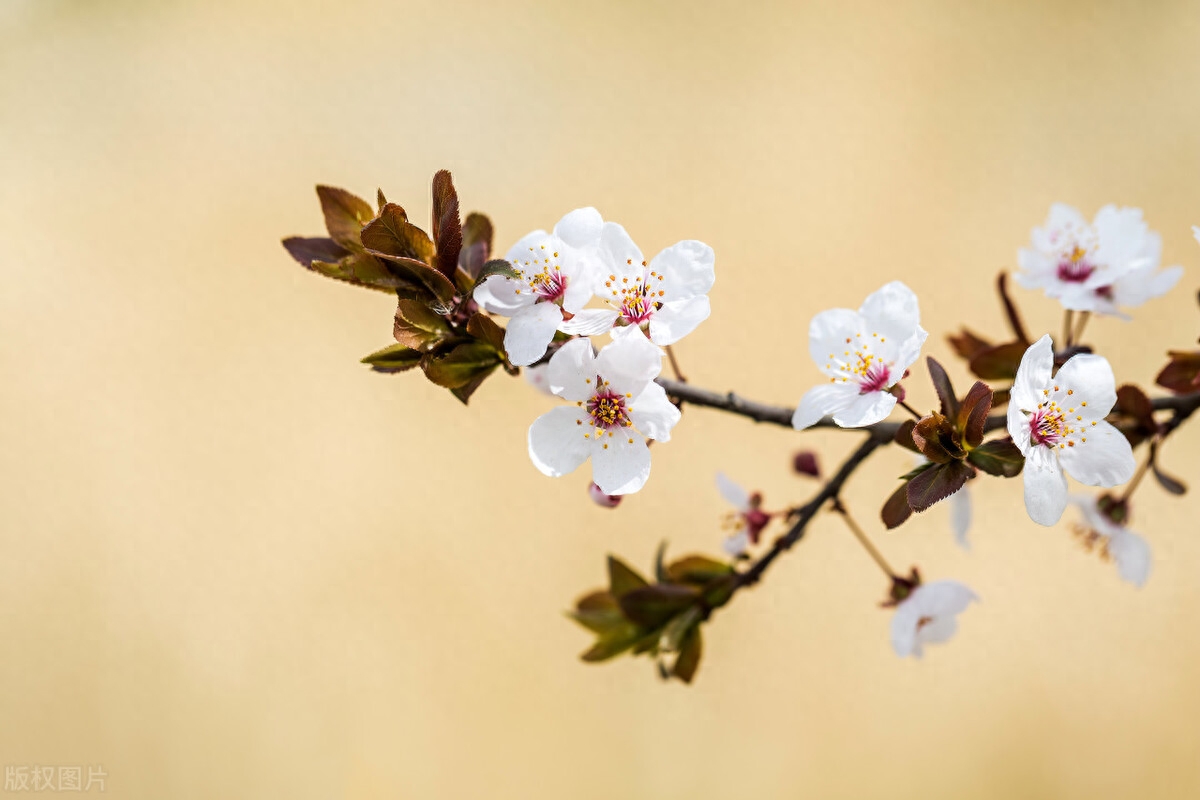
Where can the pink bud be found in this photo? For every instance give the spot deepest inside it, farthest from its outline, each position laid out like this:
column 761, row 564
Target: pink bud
column 601, row 499
column 805, row 463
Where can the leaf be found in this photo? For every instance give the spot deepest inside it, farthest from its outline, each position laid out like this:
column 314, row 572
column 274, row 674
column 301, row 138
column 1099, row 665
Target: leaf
column 380, row 200
column 362, row 269
column 999, row 398
column 484, row 328
column 461, row 365
column 972, row 416
column 318, row 248
column 392, row 234
column 496, row 266
column 896, row 510
column 718, row 592
column 690, row 651
column 418, row 327
column 463, row 393
column 999, row 362
column 1182, row 373
column 934, row 436
column 943, row 387
column 1172, row 485
column 476, row 244
column 904, row 436
column 425, row 278
column 967, row 344
column 613, row 642
column 396, row 358
column 598, row 612
column 345, row 215
column 622, row 578
column 698, row 570
column 447, row 228
column 936, row 484
column 652, row 606
column 998, row 457
column 1133, row 404
column 917, row 470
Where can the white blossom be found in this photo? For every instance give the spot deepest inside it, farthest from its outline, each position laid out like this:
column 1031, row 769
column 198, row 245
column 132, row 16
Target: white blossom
column 1129, row 550
column 615, row 407
column 864, row 353
column 1058, row 424
column 747, row 520
column 1102, row 267
column 555, row 275
column 929, row 616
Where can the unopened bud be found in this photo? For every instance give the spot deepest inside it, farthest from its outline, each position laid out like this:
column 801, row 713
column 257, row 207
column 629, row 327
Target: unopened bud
column 805, row 463
column 601, row 499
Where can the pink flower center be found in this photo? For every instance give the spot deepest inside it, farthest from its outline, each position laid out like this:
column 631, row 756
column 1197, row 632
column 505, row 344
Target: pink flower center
column 1057, row 422
column 1075, row 268
column 549, row 285
column 874, row 378
column 608, row 410
column 1046, row 426
column 636, row 298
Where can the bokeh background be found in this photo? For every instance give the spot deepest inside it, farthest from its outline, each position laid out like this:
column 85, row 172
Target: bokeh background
column 235, row 563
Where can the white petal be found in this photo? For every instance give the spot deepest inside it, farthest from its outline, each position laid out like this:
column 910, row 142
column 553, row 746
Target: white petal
column 618, row 252
column 941, row 629
column 1091, row 378
column 1121, row 233
column 904, row 631
column 960, row 516
column 892, row 311
column 943, row 598
column 522, row 250
column 580, row 272
column 1105, row 459
column 622, row 467
column 556, row 443
column 1132, row 554
column 1018, row 427
column 827, row 335
column 590, row 322
column 908, row 352
column 735, row 495
column 538, row 378
column 687, row 268
column 865, row 409
column 1033, row 375
column 1145, row 283
column 736, row 544
column 580, row 228
column 822, row 400
column 1092, row 516
column 571, row 373
column 1045, row 486
column 675, row 320
column 1196, row 232
column 629, row 363
column 498, row 294
column 653, row 414
column 529, row 332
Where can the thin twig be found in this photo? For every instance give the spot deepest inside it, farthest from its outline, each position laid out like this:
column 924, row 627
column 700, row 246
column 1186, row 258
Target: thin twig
column 916, row 414
column 1084, row 316
column 1068, row 328
column 675, row 365
column 839, row 508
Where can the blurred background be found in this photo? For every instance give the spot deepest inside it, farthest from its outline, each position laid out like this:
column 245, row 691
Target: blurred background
column 235, row 563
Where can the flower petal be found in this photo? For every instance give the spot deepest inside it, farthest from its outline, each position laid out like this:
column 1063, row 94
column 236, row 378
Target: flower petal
column 675, row 320
column 1105, row 459
column 653, row 414
column 687, row 270
column 526, row 245
column 735, row 495
column 622, row 467
column 590, row 322
column 828, row 334
column 1033, row 375
column 960, row 516
column 1091, row 378
column 892, row 311
column 822, row 400
column 1045, row 486
column 629, row 363
column 538, row 377
column 571, row 373
column 865, row 409
column 529, row 332
column 580, row 228
column 618, row 252
column 1132, row 554
column 737, row 544
column 1121, row 233
column 499, row 295
column 556, row 443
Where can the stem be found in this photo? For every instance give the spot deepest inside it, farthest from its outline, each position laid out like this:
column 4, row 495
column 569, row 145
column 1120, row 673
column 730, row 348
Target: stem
column 839, row 508
column 1084, row 316
column 1137, row 477
column 675, row 365
column 1068, row 324
column 909, row 408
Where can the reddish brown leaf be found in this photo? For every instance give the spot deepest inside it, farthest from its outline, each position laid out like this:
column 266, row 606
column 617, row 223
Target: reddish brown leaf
column 936, row 484
column 896, row 510
column 973, row 414
column 447, row 229
column 943, row 387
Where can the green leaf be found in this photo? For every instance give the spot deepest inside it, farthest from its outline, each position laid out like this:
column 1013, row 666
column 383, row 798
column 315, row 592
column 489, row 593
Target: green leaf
column 690, row 651
column 896, row 510
column 463, row 364
column 418, row 327
column 613, row 642
column 396, row 358
column 652, row 606
column 392, row 234
column 943, row 387
column 998, row 457
column 936, row 484
column 697, row 570
column 972, row 416
column 999, row 362
column 345, row 215
column 463, row 393
column 622, row 578
column 496, row 266
column 598, row 612
column 660, row 569
column 447, row 228
column 484, row 328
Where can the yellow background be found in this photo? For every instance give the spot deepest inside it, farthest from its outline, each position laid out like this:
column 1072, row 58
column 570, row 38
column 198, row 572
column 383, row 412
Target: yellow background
column 235, row 563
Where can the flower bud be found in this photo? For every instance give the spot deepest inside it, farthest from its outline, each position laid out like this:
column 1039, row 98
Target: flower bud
column 601, row 499
column 805, row 463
